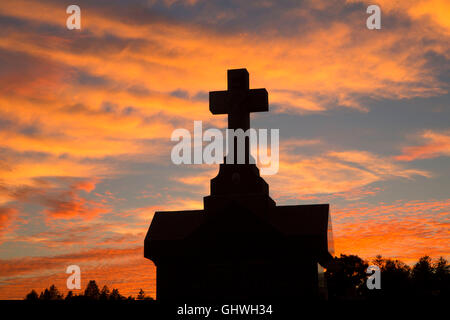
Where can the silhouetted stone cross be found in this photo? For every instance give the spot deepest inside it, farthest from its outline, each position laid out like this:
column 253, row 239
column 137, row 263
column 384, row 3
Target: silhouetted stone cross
column 239, row 100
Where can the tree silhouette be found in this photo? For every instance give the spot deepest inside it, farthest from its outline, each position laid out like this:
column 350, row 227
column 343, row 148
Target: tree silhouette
column 346, row 276
column 141, row 295
column 422, row 277
column 92, row 292
column 69, row 296
column 395, row 279
column 442, row 277
column 51, row 293
column 346, row 279
column 104, row 294
column 115, row 295
column 32, row 296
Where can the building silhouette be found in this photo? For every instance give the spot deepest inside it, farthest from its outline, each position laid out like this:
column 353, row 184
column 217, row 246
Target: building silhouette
column 241, row 246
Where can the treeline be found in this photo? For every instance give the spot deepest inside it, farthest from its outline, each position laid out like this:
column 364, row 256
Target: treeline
column 347, row 278
column 92, row 292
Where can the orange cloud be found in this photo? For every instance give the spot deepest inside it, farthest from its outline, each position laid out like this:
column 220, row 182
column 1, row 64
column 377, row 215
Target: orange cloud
column 19, row 276
column 404, row 230
column 333, row 172
column 419, row 10
column 68, row 203
column 343, row 70
column 87, row 185
column 7, row 215
column 437, row 144
column 60, row 199
column 118, row 89
column 338, row 174
column 115, row 100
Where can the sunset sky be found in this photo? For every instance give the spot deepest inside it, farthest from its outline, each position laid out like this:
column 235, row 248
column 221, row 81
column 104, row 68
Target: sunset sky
column 86, row 118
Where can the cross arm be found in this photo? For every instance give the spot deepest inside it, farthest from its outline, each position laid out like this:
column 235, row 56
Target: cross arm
column 218, row 102
column 258, row 100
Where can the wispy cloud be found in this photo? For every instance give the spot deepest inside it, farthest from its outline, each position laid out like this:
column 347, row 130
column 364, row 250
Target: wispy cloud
column 7, row 215
column 335, row 172
column 435, row 144
column 102, row 265
column 84, row 113
column 402, row 229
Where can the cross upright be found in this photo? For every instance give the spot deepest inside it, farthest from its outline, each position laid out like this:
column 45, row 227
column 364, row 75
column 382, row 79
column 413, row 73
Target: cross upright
column 239, row 100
